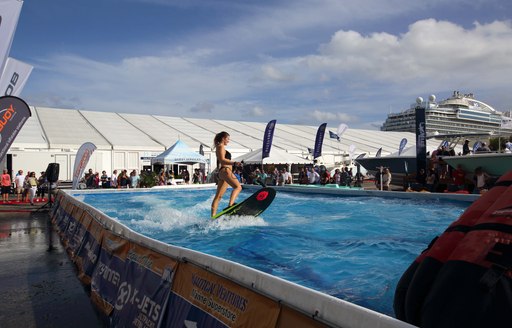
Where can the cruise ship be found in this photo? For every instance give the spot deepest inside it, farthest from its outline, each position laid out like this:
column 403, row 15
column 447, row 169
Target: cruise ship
column 461, row 113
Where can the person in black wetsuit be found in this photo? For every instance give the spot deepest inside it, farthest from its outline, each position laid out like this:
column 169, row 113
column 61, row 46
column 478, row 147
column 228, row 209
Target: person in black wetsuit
column 226, row 176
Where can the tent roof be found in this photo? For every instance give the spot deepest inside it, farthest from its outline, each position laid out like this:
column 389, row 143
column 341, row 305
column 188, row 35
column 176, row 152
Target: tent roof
column 179, row 153
column 52, row 128
column 277, row 156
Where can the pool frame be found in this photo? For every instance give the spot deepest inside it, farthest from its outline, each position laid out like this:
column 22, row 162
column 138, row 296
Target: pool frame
column 315, row 306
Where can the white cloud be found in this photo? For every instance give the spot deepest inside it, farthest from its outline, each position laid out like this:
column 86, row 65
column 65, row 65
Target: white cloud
column 203, row 107
column 276, row 60
column 434, row 50
column 256, row 111
column 320, row 116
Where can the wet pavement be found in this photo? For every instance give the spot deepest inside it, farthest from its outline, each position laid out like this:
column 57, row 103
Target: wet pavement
column 38, row 282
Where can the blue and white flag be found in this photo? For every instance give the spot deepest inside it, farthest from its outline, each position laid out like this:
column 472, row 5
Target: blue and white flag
column 402, row 146
column 267, row 139
column 320, row 133
column 477, row 145
column 333, row 135
column 378, row 152
column 445, row 144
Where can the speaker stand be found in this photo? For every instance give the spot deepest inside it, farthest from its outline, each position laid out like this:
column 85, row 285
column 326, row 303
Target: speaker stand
column 49, row 203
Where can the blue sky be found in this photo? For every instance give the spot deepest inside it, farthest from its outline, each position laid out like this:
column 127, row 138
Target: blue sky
column 297, row 61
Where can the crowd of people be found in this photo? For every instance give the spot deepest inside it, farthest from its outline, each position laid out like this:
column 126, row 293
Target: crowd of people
column 26, row 187
column 439, row 176
column 118, row 179
column 276, row 176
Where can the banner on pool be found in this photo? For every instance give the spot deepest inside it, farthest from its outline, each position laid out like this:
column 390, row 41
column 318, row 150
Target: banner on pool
column 108, row 273
column 89, row 252
column 203, row 299
column 145, row 288
column 292, row 318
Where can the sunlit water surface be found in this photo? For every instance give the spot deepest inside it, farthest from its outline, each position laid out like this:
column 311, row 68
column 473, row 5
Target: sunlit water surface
column 353, row 248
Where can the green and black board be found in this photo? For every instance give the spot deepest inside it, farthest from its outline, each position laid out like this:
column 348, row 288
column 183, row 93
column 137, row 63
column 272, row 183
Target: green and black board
column 252, row 206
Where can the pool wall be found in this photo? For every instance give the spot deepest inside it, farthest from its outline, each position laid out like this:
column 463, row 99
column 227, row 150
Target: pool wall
column 358, row 192
column 141, row 282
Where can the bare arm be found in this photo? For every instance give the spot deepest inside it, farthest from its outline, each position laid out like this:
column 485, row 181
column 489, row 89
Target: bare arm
column 221, row 156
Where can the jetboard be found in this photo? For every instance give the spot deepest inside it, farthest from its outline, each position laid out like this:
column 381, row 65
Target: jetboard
column 252, row 206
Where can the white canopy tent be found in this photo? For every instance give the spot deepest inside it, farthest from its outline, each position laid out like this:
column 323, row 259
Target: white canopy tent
column 179, row 153
column 277, row 156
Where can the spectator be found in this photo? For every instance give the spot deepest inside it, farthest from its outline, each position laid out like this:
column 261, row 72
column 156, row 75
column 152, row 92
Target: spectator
column 288, row 179
column 6, row 186
column 465, row 148
column 483, row 148
column 42, row 185
column 481, row 179
column 105, row 183
column 123, row 180
column 134, row 179
column 386, row 179
column 32, row 182
column 113, row 180
column 459, row 177
column 431, row 180
column 314, row 177
column 19, row 180
column 508, row 147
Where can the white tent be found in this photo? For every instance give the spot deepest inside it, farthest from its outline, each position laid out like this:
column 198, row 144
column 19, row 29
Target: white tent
column 179, row 153
column 277, row 156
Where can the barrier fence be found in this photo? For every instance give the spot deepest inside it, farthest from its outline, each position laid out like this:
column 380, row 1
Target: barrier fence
column 140, row 282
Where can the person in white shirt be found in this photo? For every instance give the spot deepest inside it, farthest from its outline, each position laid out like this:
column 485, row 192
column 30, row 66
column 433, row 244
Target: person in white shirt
column 113, row 181
column 314, row 177
column 287, row 177
column 18, row 181
column 508, row 147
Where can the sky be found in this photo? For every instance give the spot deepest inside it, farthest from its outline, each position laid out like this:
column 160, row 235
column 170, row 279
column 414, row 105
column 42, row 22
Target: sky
column 296, row 61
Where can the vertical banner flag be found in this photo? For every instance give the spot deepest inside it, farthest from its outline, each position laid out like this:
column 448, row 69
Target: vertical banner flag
column 14, row 77
column 351, row 151
column 402, row 146
column 9, row 14
column 14, row 112
column 341, row 129
column 378, row 152
column 202, row 166
column 267, row 139
column 320, row 133
column 81, row 160
column 421, row 139
column 333, row 135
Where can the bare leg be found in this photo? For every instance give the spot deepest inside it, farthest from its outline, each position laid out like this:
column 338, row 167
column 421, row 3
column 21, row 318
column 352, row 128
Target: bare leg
column 221, row 189
column 235, row 184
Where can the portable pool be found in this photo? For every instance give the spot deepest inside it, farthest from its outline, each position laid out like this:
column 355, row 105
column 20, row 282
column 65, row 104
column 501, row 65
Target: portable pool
column 352, row 248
